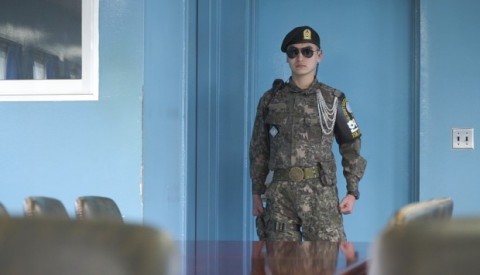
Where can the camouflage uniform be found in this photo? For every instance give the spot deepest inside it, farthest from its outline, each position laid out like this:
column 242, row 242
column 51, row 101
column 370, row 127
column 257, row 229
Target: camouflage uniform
column 287, row 133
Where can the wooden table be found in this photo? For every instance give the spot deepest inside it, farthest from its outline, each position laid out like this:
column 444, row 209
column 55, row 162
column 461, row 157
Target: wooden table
column 259, row 258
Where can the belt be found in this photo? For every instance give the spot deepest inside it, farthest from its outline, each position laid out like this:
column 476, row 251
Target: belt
column 296, row 173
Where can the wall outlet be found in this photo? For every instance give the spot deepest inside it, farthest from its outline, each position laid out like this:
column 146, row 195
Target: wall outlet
column 462, row 138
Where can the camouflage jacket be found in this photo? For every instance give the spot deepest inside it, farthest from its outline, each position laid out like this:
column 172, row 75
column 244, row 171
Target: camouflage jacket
column 287, row 133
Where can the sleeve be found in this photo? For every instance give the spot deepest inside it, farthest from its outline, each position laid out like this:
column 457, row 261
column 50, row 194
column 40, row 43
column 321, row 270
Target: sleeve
column 346, row 128
column 259, row 148
column 353, row 165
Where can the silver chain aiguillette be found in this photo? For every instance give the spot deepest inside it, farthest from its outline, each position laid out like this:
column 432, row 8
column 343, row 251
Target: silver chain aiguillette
column 326, row 115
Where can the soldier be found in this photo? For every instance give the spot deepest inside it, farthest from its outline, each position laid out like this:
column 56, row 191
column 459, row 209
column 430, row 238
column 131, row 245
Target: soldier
column 294, row 129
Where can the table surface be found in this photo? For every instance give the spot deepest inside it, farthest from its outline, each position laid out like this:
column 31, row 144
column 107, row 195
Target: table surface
column 258, row 258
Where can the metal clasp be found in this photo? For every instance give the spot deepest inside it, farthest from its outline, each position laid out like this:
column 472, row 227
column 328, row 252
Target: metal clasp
column 296, row 174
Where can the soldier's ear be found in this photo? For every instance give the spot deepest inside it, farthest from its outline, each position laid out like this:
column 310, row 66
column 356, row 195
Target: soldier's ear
column 320, row 56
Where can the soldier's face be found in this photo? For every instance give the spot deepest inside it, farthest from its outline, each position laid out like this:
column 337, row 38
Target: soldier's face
column 303, row 58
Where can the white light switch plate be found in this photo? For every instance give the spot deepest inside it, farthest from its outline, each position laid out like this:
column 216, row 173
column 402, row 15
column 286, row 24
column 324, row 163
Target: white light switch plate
column 462, row 138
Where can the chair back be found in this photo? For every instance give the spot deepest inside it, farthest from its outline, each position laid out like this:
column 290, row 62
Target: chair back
column 44, row 207
column 59, row 246
column 437, row 208
column 97, row 208
column 431, row 247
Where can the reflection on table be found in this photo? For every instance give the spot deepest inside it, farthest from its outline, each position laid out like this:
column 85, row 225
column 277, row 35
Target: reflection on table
column 259, row 258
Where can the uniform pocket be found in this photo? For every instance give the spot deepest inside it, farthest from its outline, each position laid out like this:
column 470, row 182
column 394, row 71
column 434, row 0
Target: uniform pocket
column 269, row 193
column 276, row 118
column 312, row 120
column 313, row 128
column 328, row 172
column 275, row 122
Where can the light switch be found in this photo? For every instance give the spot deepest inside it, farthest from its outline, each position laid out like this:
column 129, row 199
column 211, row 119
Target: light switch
column 462, row 138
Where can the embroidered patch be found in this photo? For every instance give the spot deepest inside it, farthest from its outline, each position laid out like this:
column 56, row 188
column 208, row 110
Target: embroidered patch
column 273, row 131
column 307, row 34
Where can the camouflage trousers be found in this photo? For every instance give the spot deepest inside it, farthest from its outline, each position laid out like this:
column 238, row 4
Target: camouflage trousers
column 303, row 210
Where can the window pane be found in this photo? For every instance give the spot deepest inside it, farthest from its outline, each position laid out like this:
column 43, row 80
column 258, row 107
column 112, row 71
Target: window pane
column 3, row 62
column 38, row 68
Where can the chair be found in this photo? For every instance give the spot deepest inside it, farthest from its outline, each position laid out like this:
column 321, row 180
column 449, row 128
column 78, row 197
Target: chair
column 440, row 247
column 59, row 246
column 3, row 211
column 437, row 208
column 44, row 207
column 97, row 208
column 429, row 210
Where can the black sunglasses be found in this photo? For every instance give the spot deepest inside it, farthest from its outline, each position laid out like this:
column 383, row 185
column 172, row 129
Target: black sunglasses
column 307, row 52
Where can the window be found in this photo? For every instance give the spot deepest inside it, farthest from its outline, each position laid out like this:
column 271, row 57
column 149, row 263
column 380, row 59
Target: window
column 53, row 50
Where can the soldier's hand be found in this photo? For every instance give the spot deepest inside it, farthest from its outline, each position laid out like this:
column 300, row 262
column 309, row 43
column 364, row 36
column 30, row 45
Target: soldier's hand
column 257, row 208
column 346, row 206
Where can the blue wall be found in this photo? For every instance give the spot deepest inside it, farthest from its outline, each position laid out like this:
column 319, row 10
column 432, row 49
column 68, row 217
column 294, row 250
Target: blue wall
column 222, row 183
column 179, row 82
column 169, row 116
column 195, row 113
column 367, row 53
column 70, row 149
column 449, row 82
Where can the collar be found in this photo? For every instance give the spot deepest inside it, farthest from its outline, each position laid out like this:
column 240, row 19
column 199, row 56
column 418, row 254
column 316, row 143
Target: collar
column 295, row 89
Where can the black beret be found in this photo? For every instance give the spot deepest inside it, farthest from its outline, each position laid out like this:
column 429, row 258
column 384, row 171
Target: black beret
column 303, row 34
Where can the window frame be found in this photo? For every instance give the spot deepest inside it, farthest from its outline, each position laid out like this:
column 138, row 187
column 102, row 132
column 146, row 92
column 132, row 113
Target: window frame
column 84, row 89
